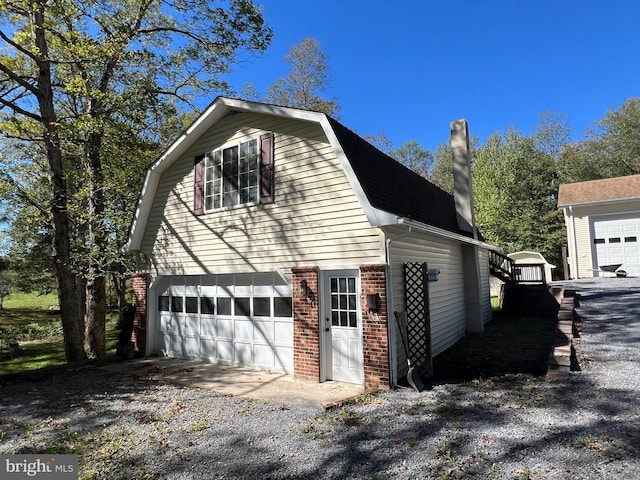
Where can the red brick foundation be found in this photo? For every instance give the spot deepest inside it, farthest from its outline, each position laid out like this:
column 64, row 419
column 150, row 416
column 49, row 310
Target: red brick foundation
column 140, row 289
column 306, row 330
column 375, row 341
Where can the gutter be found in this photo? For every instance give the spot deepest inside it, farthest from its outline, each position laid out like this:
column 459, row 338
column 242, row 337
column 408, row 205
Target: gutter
column 440, row 232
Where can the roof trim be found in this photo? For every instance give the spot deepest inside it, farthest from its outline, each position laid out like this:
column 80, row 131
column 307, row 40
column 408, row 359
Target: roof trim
column 600, row 202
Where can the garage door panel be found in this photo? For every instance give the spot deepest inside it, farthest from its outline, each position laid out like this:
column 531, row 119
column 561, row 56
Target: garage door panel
column 225, row 328
column 283, row 357
column 207, row 326
column 224, row 349
column 192, row 325
column 263, row 355
column 263, row 331
column 283, row 333
column 243, row 330
column 192, row 346
column 243, row 319
column 165, row 343
column 243, row 353
column 207, row 348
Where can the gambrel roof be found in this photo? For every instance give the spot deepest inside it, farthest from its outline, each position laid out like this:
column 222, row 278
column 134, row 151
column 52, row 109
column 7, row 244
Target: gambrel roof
column 389, row 192
column 599, row 191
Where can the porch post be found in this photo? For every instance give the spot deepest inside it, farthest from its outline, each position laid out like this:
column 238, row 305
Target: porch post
column 306, row 323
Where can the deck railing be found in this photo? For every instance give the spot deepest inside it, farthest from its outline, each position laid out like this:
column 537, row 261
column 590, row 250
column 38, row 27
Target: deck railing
column 507, row 270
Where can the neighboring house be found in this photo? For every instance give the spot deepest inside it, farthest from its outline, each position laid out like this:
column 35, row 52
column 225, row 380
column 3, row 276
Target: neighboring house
column 603, row 225
column 276, row 238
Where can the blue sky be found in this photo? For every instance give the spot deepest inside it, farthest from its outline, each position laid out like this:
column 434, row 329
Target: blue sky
column 408, row 68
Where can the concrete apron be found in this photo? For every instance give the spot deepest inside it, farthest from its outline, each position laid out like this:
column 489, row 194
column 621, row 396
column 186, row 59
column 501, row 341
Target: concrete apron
column 239, row 381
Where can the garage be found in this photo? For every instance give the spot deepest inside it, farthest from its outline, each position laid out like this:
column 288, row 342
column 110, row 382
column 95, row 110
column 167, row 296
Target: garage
column 234, row 319
column 615, row 238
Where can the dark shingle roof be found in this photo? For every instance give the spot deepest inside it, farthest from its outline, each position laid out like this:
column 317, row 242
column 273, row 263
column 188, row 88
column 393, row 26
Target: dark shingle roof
column 392, row 187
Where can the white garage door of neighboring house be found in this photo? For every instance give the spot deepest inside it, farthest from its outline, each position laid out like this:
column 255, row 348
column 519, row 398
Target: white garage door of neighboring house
column 616, row 242
column 241, row 319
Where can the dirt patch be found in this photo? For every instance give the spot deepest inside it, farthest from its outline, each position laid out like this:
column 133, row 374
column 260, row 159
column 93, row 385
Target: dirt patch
column 510, row 344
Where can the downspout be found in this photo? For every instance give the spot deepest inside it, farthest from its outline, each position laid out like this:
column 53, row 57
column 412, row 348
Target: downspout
column 391, row 322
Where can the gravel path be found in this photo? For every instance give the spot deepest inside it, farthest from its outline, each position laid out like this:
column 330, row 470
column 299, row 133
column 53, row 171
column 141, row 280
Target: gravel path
column 513, row 427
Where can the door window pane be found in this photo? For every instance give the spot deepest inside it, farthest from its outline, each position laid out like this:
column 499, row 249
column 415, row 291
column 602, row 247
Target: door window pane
column 207, row 305
column 282, row 307
column 176, row 304
column 224, row 306
column 344, row 302
column 261, row 307
column 191, row 304
column 163, row 303
column 243, row 306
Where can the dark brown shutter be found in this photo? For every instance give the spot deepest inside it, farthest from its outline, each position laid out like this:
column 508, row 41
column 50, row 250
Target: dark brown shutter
column 267, row 184
column 198, row 185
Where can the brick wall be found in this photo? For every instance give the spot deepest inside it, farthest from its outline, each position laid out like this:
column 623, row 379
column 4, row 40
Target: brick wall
column 140, row 289
column 375, row 341
column 306, row 330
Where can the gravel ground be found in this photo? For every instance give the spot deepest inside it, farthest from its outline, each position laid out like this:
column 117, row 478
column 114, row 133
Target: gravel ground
column 514, row 427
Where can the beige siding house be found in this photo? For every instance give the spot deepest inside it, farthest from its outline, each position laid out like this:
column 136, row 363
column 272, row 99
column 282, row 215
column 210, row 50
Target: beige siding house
column 277, row 238
column 602, row 218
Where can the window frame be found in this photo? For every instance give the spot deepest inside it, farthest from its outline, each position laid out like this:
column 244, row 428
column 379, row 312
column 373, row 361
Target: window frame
column 215, row 188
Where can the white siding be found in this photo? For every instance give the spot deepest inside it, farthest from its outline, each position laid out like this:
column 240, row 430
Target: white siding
column 446, row 295
column 316, row 218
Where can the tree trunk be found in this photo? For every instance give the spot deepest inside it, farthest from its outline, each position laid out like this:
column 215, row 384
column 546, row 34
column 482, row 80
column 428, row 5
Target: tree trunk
column 96, row 315
column 95, row 321
column 71, row 321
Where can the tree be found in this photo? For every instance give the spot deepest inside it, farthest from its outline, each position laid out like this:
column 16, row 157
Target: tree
column 442, row 170
column 308, row 77
column 615, row 139
column 6, row 281
column 380, row 141
column 515, row 195
column 552, row 133
column 414, row 157
column 72, row 73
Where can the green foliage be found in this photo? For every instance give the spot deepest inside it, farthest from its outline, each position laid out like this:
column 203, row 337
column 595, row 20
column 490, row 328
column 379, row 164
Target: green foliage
column 442, row 170
column 515, row 190
column 616, row 137
column 92, row 91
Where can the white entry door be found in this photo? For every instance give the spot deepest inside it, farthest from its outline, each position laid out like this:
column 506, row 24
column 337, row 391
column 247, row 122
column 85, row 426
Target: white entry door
column 342, row 326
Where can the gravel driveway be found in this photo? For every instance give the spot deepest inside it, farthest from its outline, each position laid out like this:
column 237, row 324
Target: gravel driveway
column 514, row 427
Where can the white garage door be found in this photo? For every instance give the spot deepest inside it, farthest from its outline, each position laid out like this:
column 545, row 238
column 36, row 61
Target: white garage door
column 234, row 319
column 616, row 242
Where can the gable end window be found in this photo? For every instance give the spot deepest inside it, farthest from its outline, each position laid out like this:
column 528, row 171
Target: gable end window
column 240, row 174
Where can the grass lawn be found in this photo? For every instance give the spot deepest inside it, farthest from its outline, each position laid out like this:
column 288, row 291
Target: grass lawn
column 28, row 318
